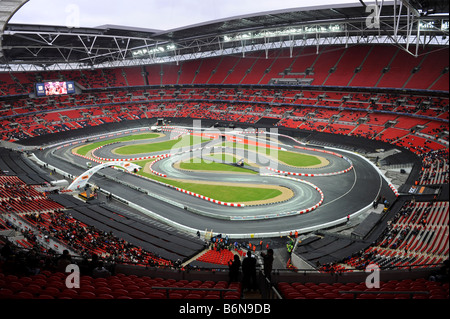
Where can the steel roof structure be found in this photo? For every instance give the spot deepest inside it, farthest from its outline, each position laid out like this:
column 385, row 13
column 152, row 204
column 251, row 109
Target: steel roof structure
column 406, row 23
column 7, row 10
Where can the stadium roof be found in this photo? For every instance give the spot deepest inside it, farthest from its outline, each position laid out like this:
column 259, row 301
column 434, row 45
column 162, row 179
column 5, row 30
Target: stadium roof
column 409, row 23
column 7, row 10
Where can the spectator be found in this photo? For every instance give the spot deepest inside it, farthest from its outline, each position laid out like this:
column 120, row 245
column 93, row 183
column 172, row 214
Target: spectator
column 100, row 271
column 268, row 263
column 234, row 266
column 249, row 272
column 64, row 260
column 7, row 251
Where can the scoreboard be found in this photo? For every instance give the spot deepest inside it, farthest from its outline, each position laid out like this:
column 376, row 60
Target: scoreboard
column 55, row 88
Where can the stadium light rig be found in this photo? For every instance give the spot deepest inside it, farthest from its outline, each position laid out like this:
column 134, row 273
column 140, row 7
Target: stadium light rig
column 145, row 52
column 286, row 32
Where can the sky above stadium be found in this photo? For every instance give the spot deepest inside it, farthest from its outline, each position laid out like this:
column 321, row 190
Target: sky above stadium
column 150, row 14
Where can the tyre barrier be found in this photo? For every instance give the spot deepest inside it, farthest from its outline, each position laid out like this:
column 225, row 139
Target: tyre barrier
column 285, row 214
column 310, row 175
column 155, row 161
column 394, row 190
column 161, row 157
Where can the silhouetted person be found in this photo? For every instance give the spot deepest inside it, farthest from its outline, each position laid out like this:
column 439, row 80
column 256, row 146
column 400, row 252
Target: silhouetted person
column 249, row 272
column 268, row 263
column 234, row 266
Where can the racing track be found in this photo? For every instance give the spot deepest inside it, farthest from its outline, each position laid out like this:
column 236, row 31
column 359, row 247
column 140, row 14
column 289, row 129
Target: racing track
column 346, row 193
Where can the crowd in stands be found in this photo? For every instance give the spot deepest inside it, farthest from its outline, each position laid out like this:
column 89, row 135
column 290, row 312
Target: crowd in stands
column 435, row 168
column 417, row 235
column 18, row 196
column 241, row 105
column 87, row 240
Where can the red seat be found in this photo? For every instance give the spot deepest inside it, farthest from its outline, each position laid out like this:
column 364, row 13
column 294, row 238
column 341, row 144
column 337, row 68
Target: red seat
column 137, row 294
column 132, row 288
column 89, row 288
column 6, row 293
column 119, row 293
column 211, row 297
column 87, row 295
column 103, row 290
column 57, row 284
column 105, row 296
column 23, row 295
column 15, row 286
column 40, row 282
column 156, row 295
column 52, row 291
column 366, row 296
column 33, row 289
column 331, row 295
column 45, row 297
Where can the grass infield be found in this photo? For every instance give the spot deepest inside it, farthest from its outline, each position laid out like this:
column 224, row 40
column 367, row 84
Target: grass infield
column 224, row 193
column 197, row 164
column 180, row 143
column 290, row 158
column 231, row 194
column 89, row 147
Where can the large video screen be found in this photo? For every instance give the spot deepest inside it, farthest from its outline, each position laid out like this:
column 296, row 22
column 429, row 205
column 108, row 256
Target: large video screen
column 55, row 88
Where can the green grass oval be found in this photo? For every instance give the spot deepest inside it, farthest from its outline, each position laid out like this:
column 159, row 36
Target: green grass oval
column 180, row 143
column 91, row 146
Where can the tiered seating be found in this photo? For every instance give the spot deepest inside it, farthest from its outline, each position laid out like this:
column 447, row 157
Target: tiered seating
column 352, row 58
column 391, row 135
column 17, row 196
column 51, row 285
column 418, row 235
column 400, row 70
column 24, row 126
column 134, row 76
column 430, row 70
column 388, row 290
column 88, row 240
column 371, row 70
column 240, row 70
column 435, row 168
column 222, row 257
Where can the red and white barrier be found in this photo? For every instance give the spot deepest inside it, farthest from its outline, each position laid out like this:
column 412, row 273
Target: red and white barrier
column 310, row 175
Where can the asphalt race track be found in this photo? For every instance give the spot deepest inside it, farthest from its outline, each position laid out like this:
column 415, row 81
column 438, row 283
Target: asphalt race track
column 344, row 194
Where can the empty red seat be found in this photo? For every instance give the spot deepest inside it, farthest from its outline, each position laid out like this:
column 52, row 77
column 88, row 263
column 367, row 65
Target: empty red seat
column 23, row 295
column 119, row 293
column 137, row 294
column 15, row 286
column 156, row 295
column 87, row 295
column 103, row 290
column 6, row 293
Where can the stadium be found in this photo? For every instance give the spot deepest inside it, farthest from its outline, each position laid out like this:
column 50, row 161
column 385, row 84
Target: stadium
column 149, row 159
